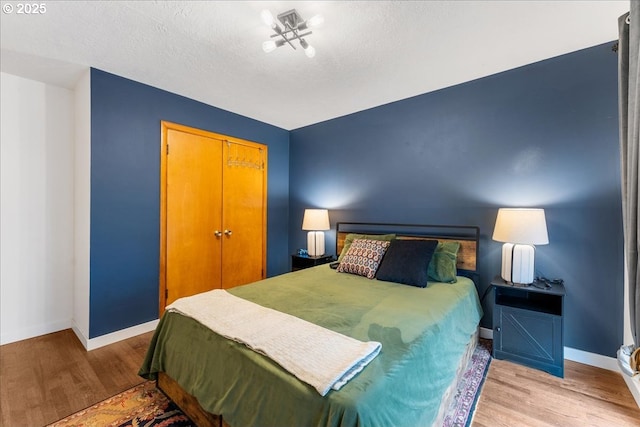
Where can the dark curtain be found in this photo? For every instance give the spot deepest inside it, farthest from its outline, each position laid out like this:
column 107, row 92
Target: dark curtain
column 629, row 49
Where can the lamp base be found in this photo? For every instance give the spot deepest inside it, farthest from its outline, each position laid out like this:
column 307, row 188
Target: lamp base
column 518, row 264
column 315, row 243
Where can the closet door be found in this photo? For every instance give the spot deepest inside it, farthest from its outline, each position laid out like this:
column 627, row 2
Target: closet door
column 213, row 212
column 192, row 213
column 244, row 212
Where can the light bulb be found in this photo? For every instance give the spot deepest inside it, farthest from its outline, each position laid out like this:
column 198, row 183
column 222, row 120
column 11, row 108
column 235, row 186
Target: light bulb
column 315, row 21
column 310, row 51
column 269, row 46
column 267, row 17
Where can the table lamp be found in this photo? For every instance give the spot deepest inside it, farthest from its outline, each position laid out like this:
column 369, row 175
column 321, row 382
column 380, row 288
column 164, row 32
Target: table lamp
column 316, row 221
column 520, row 229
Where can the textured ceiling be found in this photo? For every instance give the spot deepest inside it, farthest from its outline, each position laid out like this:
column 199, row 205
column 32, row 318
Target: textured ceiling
column 368, row 53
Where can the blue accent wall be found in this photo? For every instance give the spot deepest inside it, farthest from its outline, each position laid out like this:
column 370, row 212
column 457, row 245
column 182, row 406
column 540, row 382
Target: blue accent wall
column 125, row 193
column 544, row 135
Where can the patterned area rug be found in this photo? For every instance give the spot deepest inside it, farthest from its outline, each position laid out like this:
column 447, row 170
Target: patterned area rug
column 460, row 412
column 141, row 406
column 146, row 406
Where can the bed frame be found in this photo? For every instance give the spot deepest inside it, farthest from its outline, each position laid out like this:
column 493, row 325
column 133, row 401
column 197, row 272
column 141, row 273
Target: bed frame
column 468, row 236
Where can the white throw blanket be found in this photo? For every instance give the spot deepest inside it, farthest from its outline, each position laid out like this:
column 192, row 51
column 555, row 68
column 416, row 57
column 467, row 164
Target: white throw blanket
column 320, row 357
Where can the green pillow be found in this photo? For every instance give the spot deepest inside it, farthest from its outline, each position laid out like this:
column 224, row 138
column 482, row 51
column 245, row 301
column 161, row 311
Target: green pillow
column 442, row 267
column 352, row 236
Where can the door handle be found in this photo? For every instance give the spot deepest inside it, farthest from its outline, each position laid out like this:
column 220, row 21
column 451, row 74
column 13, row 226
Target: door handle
column 217, row 233
column 227, row 232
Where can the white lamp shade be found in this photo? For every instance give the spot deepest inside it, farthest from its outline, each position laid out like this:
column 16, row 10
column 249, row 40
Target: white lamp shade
column 315, row 220
column 520, row 225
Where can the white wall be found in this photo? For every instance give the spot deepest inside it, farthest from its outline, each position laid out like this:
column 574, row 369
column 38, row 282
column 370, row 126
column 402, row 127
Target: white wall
column 36, row 208
column 82, row 207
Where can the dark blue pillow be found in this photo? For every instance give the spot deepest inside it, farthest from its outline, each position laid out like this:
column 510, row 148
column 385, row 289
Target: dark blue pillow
column 407, row 262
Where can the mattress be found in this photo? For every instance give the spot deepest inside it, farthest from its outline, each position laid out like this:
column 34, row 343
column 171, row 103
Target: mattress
column 423, row 331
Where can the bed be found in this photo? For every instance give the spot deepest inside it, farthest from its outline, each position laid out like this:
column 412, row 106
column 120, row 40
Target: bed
column 427, row 335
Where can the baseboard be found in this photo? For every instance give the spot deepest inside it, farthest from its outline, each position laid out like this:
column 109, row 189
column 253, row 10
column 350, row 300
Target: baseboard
column 580, row 356
column 593, row 359
column 82, row 337
column 101, row 341
column 34, row 331
column 486, row 333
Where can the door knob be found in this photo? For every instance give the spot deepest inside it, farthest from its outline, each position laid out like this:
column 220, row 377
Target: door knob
column 227, row 232
column 217, row 233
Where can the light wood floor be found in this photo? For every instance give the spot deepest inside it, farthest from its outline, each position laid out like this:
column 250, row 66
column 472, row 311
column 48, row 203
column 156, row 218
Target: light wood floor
column 47, row 378
column 514, row 395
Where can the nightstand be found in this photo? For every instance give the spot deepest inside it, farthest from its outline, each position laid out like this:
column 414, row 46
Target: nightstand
column 298, row 262
column 527, row 325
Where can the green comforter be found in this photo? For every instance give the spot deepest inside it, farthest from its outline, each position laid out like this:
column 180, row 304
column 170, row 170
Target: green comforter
column 423, row 332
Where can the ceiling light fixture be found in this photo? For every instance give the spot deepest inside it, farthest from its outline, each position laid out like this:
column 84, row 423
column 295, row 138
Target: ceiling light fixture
column 294, row 29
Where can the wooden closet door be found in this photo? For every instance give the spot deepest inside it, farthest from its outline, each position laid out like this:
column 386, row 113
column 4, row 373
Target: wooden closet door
column 244, row 213
column 193, row 213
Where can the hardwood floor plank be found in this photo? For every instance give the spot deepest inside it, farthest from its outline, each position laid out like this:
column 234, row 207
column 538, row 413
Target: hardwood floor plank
column 515, row 395
column 48, row 378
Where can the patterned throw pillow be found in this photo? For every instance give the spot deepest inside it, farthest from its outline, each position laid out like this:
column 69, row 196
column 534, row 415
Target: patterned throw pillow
column 353, row 236
column 363, row 257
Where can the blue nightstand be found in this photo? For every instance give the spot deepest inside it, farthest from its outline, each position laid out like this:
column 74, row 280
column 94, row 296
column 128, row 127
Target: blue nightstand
column 527, row 325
